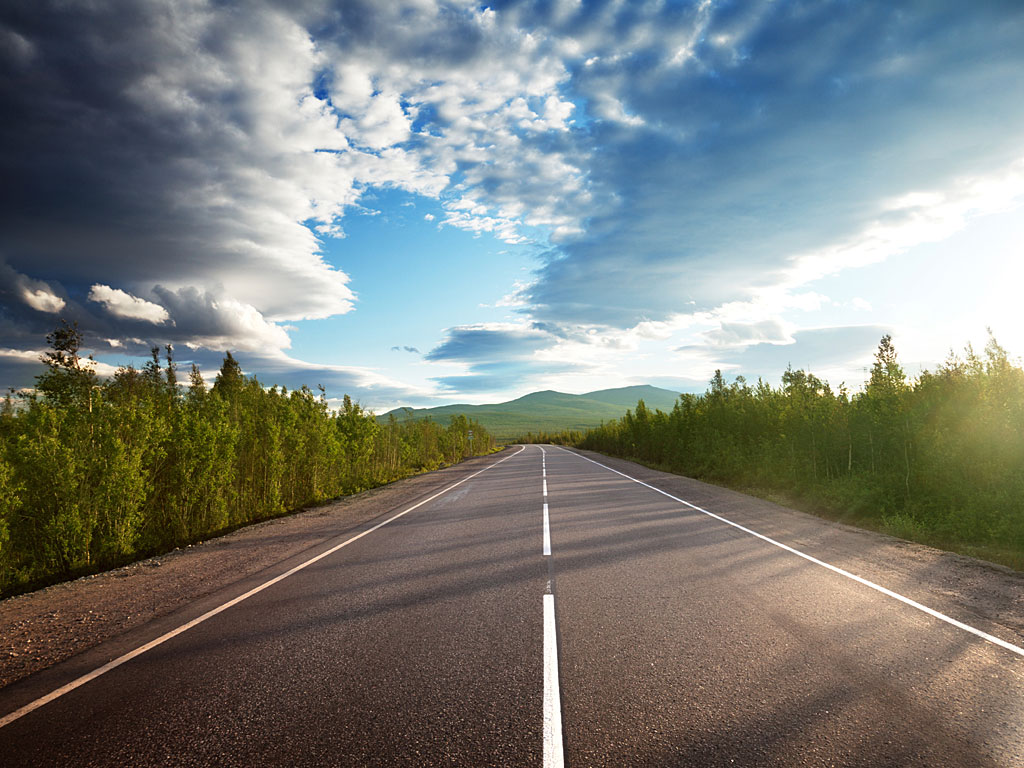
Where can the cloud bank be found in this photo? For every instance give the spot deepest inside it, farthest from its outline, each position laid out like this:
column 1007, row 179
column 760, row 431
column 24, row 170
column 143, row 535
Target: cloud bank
column 173, row 168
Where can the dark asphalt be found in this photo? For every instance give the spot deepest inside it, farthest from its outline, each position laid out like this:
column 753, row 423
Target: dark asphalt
column 682, row 641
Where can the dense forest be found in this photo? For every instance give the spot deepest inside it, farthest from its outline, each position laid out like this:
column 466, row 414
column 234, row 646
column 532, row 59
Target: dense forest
column 939, row 459
column 95, row 474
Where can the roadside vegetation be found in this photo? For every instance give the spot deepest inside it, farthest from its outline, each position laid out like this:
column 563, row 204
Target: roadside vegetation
column 565, row 437
column 939, row 459
column 96, row 474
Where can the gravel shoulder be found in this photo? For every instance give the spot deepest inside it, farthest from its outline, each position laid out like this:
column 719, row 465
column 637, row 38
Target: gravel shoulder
column 42, row 628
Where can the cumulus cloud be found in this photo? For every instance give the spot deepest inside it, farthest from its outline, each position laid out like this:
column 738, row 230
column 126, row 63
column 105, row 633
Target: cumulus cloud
column 43, row 300
column 204, row 319
column 16, row 288
column 173, row 145
column 176, row 163
column 123, row 304
column 182, row 145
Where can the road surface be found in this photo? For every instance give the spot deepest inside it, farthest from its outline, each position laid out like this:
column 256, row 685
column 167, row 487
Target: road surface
column 547, row 610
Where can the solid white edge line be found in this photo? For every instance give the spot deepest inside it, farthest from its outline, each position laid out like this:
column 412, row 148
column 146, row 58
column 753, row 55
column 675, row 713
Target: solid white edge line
column 78, row 682
column 553, row 754
column 860, row 580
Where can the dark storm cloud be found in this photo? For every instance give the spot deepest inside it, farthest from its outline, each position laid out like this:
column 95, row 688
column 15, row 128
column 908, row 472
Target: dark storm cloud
column 134, row 153
column 192, row 154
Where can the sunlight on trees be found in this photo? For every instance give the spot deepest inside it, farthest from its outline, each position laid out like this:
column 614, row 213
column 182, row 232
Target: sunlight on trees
column 937, row 459
column 94, row 475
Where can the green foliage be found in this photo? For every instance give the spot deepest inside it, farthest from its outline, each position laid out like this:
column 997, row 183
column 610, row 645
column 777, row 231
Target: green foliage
column 938, row 460
column 565, row 437
column 95, row 475
column 9, row 503
column 68, row 380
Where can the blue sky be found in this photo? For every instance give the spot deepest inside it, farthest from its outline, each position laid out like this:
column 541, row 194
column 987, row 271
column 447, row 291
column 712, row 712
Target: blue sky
column 423, row 201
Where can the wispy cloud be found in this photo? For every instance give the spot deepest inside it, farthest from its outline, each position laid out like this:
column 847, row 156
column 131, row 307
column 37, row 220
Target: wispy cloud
column 497, row 356
column 786, row 132
column 821, row 350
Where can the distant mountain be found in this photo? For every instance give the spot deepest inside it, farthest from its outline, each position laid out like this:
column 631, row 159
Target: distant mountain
column 547, row 411
column 654, row 398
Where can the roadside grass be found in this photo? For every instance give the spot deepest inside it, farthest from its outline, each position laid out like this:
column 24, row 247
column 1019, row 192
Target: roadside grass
column 952, row 530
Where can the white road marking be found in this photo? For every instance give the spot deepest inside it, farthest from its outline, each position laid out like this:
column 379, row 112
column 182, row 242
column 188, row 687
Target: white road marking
column 31, row 706
column 878, row 588
column 547, row 532
column 545, row 486
column 553, row 757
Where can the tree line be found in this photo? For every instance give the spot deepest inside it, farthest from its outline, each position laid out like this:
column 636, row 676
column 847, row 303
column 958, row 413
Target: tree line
column 939, row 459
column 94, row 474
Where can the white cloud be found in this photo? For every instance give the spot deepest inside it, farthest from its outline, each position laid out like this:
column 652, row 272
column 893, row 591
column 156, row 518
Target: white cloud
column 125, row 305
column 770, row 331
column 612, row 109
column 206, row 320
column 259, row 134
column 921, row 216
column 648, row 148
column 27, row 355
column 34, row 356
column 39, row 295
column 42, row 299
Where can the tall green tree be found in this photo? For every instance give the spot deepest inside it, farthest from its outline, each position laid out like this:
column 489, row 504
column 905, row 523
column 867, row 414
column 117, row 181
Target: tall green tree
column 69, row 379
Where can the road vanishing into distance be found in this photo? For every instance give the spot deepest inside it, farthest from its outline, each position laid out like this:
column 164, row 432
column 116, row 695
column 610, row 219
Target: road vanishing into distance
column 546, row 610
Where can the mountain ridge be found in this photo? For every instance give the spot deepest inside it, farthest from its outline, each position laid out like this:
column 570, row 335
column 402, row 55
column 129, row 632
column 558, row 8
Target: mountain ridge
column 547, row 410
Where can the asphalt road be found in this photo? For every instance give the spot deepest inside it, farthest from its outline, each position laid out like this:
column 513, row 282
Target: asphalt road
column 653, row 634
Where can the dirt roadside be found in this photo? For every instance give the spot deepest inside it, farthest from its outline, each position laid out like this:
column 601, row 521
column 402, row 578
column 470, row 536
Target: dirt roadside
column 42, row 628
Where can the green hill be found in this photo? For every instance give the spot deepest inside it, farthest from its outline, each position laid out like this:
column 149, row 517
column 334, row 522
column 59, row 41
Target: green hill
column 547, row 411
